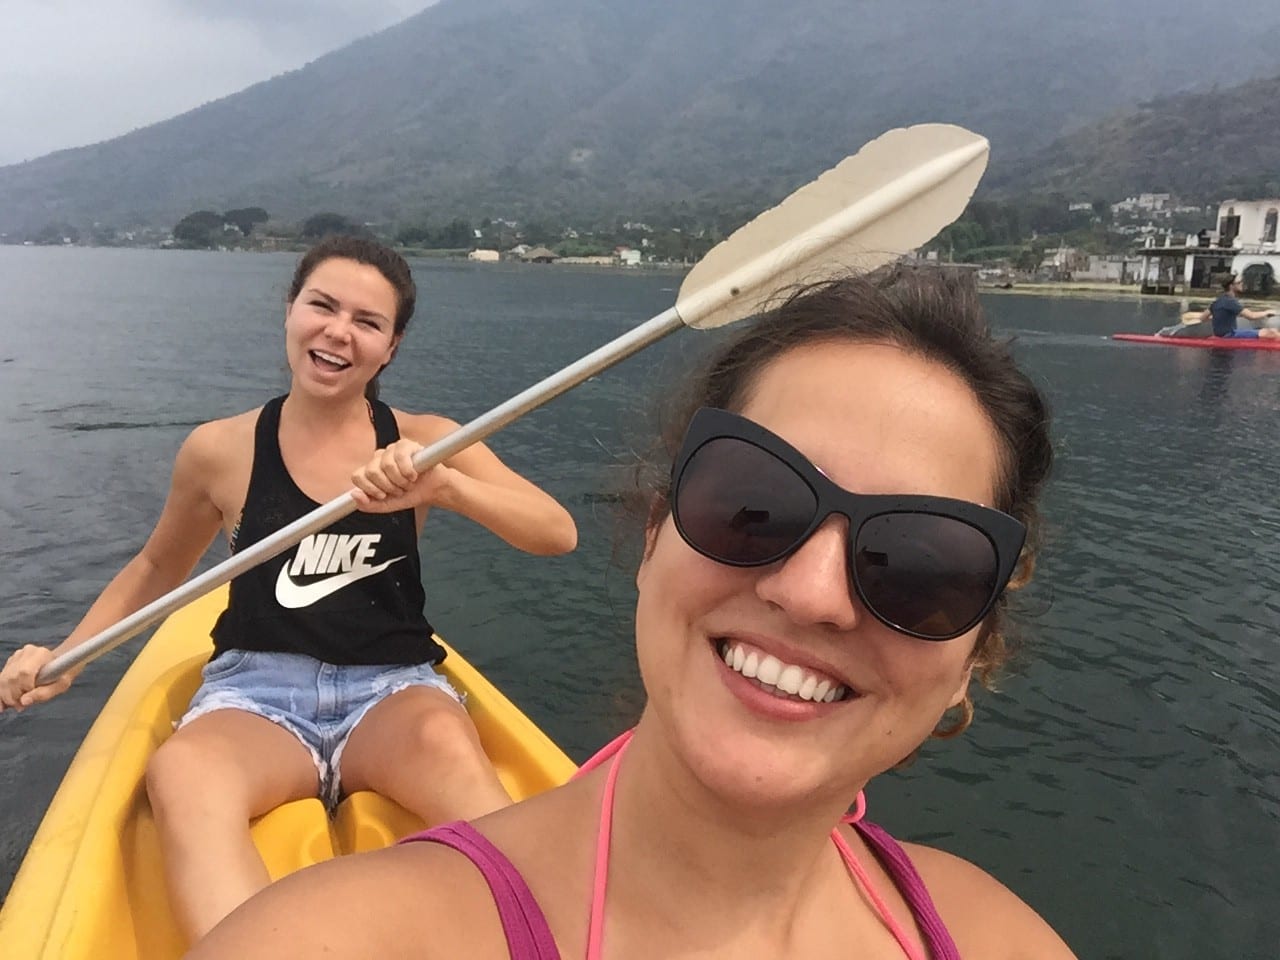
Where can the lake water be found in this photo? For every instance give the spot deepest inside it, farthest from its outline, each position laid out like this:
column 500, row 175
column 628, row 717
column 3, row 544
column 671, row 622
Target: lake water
column 1123, row 781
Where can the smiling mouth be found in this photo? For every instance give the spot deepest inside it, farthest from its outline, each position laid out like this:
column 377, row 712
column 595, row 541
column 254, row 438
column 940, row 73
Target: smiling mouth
column 787, row 681
column 328, row 361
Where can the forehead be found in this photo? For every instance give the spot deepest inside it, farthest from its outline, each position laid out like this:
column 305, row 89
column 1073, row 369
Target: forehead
column 359, row 285
column 878, row 419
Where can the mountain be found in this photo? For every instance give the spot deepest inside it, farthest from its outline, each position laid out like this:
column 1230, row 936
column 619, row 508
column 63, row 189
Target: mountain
column 593, row 108
column 1204, row 147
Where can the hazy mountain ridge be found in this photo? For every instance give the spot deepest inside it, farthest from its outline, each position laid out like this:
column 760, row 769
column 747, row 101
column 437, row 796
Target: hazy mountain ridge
column 1203, row 147
column 595, row 107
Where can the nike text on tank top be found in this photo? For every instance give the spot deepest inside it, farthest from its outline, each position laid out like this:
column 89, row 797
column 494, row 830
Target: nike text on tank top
column 351, row 594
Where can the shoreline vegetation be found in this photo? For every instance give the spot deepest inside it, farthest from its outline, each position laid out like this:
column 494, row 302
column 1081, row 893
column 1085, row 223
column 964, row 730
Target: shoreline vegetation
column 1032, row 246
column 1066, row 289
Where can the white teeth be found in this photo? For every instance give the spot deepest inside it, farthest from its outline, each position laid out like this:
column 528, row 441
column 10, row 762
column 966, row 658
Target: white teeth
column 770, row 669
column 337, row 361
column 772, row 674
column 790, row 679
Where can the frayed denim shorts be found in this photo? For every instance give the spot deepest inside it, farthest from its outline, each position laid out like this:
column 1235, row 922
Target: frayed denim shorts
column 319, row 703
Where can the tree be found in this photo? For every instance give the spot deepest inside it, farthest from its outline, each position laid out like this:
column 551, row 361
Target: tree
column 53, row 234
column 956, row 240
column 200, row 229
column 536, row 233
column 1031, row 257
column 582, row 247
column 246, row 218
column 456, row 235
column 416, row 235
column 322, row 224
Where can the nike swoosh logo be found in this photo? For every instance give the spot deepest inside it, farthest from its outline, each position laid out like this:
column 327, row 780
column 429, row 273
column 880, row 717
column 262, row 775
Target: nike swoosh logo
column 293, row 596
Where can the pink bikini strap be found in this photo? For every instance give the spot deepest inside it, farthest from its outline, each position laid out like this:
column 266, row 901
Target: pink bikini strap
column 864, row 881
column 612, row 753
column 595, row 925
column 607, row 752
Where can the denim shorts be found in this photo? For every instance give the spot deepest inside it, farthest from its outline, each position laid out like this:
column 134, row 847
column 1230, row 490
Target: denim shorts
column 319, row 703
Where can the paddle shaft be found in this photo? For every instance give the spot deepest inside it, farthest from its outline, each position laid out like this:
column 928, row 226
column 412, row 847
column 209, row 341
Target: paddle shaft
column 251, row 556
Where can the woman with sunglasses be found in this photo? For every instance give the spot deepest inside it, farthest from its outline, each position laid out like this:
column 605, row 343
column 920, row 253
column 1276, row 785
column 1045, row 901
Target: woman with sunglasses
column 825, row 566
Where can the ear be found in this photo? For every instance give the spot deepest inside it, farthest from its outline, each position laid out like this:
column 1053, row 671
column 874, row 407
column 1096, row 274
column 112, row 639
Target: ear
column 962, row 688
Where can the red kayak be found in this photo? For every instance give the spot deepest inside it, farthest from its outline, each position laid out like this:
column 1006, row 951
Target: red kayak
column 1213, row 343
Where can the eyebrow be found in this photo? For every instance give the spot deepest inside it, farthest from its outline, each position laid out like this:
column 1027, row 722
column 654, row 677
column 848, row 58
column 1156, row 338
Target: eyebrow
column 316, row 291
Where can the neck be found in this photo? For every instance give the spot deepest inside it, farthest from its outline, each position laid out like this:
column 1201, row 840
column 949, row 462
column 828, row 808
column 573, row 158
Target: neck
column 687, row 854
column 327, row 413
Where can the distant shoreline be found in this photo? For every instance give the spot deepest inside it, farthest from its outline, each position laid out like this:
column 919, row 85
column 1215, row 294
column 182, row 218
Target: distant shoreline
column 1107, row 291
column 1064, row 289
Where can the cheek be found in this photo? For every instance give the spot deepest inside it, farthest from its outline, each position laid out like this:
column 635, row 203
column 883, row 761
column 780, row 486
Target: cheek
column 675, row 589
column 930, row 676
column 380, row 347
column 296, row 324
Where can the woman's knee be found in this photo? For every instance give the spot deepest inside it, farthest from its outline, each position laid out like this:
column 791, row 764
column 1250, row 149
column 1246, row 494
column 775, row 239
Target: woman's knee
column 182, row 775
column 446, row 735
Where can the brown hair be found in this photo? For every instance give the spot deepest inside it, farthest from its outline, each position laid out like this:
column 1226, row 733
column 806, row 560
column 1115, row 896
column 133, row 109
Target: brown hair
column 369, row 252
column 931, row 312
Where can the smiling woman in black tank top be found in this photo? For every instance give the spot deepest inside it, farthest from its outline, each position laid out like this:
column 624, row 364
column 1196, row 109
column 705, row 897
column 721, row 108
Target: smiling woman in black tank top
column 322, row 678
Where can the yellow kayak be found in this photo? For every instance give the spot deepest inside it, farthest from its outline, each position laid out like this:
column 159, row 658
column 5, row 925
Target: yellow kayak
column 91, row 884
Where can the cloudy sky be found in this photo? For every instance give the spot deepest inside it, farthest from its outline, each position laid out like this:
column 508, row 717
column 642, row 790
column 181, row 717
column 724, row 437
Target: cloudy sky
column 74, row 72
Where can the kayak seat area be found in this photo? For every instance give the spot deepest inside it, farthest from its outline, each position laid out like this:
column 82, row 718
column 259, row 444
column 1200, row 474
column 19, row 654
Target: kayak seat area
column 288, row 838
column 369, row 821
column 92, row 883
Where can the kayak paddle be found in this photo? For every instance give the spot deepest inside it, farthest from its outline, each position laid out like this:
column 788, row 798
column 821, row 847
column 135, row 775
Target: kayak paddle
column 893, row 195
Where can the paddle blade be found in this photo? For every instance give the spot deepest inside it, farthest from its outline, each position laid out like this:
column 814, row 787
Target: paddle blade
column 890, row 197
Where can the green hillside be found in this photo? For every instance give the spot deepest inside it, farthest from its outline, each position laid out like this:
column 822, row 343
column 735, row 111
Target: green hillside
column 1204, row 147
column 595, row 108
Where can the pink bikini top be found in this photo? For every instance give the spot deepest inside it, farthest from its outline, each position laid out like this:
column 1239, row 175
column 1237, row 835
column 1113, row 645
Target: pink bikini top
column 529, row 937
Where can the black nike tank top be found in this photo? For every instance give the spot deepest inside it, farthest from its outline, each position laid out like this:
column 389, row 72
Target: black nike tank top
column 351, row 594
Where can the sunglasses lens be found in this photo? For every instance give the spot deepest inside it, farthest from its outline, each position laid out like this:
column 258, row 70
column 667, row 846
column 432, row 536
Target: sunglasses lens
column 740, row 504
column 929, row 576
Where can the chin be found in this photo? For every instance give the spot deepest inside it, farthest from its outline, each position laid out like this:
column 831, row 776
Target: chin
column 764, row 773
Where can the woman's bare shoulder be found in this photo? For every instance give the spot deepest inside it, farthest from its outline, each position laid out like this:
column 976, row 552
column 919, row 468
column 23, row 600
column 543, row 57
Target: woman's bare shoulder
column 418, row 900
column 425, row 428
column 223, row 435
column 984, row 917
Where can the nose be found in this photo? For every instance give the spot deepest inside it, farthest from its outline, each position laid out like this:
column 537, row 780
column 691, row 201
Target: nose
column 812, row 585
column 339, row 326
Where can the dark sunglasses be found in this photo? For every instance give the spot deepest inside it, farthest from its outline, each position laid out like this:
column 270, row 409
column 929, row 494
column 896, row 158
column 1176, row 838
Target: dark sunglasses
column 929, row 567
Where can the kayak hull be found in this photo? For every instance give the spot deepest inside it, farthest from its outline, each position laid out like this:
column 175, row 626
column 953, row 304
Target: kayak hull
column 92, row 884
column 1211, row 343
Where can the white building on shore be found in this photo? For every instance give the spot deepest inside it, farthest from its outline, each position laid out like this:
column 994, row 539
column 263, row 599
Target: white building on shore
column 1244, row 243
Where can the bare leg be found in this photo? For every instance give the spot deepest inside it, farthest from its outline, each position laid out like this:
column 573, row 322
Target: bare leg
column 206, row 783
column 420, row 748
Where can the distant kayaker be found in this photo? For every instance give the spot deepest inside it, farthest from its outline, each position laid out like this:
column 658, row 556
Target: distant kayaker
column 826, row 556
column 1224, row 312
column 322, row 680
